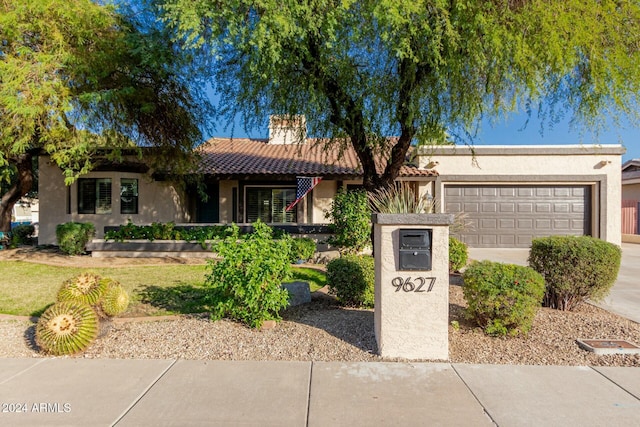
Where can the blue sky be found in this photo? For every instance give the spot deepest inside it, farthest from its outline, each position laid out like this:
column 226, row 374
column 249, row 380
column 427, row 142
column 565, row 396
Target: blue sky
column 511, row 132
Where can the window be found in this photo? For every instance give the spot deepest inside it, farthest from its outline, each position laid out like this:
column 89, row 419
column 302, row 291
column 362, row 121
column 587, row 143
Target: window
column 269, row 204
column 128, row 196
column 94, row 195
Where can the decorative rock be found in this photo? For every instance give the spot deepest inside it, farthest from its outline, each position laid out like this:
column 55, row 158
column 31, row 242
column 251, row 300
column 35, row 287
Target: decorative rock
column 299, row 293
column 268, row 324
column 325, row 256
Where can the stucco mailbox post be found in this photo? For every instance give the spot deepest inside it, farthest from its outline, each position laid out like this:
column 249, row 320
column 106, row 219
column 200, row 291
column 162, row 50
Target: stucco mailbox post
column 412, row 285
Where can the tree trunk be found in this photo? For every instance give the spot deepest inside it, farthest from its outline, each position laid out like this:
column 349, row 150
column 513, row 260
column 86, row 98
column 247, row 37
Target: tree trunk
column 22, row 185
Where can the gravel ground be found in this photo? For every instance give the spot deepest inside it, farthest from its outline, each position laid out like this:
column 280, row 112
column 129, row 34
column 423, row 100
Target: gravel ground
column 323, row 331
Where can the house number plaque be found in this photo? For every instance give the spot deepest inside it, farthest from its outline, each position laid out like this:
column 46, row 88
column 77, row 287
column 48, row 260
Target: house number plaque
column 413, row 285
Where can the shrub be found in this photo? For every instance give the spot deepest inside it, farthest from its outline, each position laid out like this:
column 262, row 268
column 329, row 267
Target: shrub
column 575, row 268
column 302, row 248
column 457, row 254
column 502, row 298
column 22, row 235
column 352, row 279
column 73, row 236
column 350, row 218
column 401, row 198
column 245, row 284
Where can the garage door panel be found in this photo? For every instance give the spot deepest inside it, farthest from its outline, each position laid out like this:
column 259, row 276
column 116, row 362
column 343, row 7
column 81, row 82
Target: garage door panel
column 543, row 207
column 512, row 215
column 489, row 207
column 507, row 224
column 525, row 208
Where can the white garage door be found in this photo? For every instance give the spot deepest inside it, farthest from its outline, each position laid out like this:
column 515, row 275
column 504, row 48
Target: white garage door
column 511, row 215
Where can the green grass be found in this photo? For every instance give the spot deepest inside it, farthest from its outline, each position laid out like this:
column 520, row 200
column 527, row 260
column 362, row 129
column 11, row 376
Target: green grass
column 28, row 289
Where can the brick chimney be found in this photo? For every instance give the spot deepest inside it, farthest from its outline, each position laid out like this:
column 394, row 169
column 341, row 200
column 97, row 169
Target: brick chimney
column 287, row 129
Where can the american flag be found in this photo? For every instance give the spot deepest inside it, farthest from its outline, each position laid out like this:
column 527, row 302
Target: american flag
column 305, row 184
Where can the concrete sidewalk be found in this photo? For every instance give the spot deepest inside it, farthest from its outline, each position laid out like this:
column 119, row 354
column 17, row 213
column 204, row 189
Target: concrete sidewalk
column 101, row 392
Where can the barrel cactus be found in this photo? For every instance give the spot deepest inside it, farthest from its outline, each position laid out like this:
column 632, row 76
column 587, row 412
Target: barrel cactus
column 86, row 287
column 115, row 299
column 67, row 328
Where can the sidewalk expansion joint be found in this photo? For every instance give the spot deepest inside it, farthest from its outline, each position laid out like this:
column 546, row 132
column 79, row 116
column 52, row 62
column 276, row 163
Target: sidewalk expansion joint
column 144, row 393
column 23, row 371
column 309, row 392
column 615, row 383
column 484, row 409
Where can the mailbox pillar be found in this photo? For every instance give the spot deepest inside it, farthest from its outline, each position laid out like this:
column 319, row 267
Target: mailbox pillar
column 412, row 285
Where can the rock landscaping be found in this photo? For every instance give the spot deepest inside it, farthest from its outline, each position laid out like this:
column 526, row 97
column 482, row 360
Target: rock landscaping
column 323, row 331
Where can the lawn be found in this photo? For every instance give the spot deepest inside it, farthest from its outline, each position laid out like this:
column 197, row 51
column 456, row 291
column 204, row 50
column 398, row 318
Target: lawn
column 28, row 289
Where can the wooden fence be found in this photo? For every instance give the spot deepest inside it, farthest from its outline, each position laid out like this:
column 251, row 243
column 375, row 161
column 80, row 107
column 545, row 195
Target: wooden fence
column 630, row 216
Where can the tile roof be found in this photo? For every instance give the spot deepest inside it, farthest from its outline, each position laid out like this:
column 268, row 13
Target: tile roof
column 243, row 157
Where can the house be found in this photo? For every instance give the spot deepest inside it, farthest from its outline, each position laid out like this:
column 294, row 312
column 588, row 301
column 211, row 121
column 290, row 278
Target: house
column 631, row 201
column 508, row 193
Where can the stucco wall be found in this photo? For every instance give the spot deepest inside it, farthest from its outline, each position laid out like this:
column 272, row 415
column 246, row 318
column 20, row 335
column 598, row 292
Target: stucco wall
column 157, row 202
column 323, row 194
column 596, row 165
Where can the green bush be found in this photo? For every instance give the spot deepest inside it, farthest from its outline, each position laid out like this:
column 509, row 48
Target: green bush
column 22, row 235
column 352, row 279
column 457, row 254
column 302, row 248
column 245, row 284
column 502, row 298
column 575, row 268
column 166, row 231
column 73, row 236
column 350, row 218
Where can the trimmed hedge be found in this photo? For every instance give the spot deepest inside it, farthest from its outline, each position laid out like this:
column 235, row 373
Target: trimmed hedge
column 73, row 236
column 502, row 298
column 575, row 268
column 351, row 278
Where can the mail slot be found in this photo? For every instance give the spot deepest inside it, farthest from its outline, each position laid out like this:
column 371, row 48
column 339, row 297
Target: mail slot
column 415, row 249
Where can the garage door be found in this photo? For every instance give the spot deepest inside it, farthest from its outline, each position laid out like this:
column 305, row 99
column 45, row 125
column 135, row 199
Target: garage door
column 511, row 215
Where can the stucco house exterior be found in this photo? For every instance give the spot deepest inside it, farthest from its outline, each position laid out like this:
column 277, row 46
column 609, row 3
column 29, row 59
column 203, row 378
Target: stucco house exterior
column 509, row 193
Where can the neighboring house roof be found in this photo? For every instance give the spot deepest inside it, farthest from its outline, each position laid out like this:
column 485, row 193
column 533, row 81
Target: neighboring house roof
column 631, row 172
column 243, row 157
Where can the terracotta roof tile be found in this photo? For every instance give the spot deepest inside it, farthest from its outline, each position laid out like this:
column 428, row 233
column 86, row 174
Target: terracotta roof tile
column 244, row 157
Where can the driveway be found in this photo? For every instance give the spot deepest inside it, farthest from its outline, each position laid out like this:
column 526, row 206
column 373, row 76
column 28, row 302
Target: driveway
column 624, row 298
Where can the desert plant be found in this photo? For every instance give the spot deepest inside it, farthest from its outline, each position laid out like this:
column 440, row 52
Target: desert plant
column 458, row 254
column 73, row 236
column 401, row 198
column 502, row 298
column 87, row 288
column 575, row 268
column 350, row 218
column 66, row 328
column 22, row 235
column 351, row 278
column 245, row 284
column 115, row 299
column 302, row 248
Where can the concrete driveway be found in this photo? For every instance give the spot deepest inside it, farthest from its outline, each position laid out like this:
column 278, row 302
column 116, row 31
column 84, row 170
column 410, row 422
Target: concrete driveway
column 624, row 298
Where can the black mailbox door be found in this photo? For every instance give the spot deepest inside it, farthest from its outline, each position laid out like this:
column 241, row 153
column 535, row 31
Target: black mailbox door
column 415, row 249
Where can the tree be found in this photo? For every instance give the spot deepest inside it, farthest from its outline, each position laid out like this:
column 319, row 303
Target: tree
column 362, row 69
column 82, row 82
